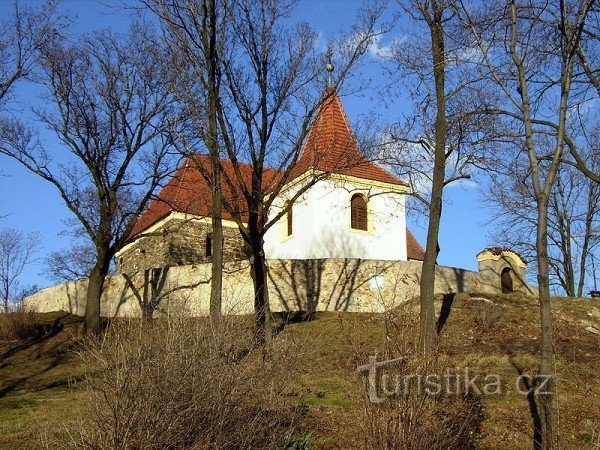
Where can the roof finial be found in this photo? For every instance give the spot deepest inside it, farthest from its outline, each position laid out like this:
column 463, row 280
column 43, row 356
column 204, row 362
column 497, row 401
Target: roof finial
column 329, row 67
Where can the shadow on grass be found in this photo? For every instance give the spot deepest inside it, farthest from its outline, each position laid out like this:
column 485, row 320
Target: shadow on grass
column 285, row 318
column 530, row 385
column 43, row 361
column 43, row 332
column 447, row 301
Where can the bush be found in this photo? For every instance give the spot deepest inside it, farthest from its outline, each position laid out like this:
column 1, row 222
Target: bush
column 18, row 325
column 487, row 316
column 297, row 442
column 165, row 384
column 412, row 419
column 417, row 421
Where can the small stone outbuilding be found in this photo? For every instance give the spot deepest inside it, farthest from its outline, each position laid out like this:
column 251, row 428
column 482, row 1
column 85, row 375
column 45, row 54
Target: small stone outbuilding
column 502, row 270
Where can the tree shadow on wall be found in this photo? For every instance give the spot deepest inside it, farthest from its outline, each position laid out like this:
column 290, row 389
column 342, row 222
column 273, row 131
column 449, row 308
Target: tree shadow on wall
column 300, row 286
column 323, row 284
column 302, row 278
column 76, row 291
column 450, row 279
column 152, row 290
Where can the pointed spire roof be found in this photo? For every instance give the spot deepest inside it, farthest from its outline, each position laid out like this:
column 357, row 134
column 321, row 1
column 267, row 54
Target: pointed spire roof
column 331, row 146
column 331, row 131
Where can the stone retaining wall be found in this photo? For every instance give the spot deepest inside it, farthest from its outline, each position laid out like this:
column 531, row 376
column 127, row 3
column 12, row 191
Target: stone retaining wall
column 294, row 285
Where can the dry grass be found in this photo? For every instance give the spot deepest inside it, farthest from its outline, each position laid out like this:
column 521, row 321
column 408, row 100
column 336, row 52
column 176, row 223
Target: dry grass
column 410, row 418
column 487, row 316
column 18, row 325
column 168, row 384
column 43, row 387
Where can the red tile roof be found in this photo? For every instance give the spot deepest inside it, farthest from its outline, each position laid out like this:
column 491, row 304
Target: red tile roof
column 331, row 146
column 189, row 192
column 413, row 248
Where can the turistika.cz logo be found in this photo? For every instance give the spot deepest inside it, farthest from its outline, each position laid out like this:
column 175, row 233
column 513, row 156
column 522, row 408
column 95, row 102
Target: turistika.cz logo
column 386, row 380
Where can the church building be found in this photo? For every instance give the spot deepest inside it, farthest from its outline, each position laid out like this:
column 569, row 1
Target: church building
column 338, row 240
column 355, row 210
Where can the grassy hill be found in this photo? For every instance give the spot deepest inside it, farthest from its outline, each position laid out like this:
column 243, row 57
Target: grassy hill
column 42, row 379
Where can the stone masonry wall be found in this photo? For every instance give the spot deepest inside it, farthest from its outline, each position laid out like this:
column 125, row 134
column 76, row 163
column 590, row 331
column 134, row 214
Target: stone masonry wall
column 178, row 242
column 294, row 285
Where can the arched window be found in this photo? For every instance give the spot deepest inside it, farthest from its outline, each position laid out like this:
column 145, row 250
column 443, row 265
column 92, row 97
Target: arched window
column 506, row 281
column 358, row 213
column 289, row 218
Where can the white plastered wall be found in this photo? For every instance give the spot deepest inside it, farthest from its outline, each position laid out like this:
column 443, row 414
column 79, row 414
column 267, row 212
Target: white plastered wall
column 321, row 224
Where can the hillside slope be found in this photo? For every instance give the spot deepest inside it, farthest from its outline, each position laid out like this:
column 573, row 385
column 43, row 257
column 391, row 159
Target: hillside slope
column 40, row 388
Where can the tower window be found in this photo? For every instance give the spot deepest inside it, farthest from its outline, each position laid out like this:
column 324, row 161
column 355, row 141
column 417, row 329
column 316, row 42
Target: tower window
column 358, row 213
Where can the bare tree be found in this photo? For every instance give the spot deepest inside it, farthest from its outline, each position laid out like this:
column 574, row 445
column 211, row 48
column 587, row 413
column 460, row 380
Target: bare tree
column 73, row 263
column 17, row 250
column 530, row 52
column 572, row 222
column 110, row 106
column 261, row 93
column 434, row 146
column 269, row 74
column 194, row 30
column 444, row 139
column 24, row 30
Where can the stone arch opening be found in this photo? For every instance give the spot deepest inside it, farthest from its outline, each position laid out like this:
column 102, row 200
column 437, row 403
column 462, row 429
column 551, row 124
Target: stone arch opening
column 506, row 280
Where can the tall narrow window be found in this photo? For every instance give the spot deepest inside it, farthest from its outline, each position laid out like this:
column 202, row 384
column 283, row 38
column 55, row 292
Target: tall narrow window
column 289, row 218
column 208, row 250
column 358, row 212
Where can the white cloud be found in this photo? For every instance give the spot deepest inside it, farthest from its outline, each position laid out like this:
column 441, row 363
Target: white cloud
column 377, row 48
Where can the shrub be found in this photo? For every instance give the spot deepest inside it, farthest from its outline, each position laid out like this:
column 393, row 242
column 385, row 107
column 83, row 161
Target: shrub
column 18, row 325
column 417, row 421
column 165, row 384
column 297, row 442
column 487, row 316
column 412, row 419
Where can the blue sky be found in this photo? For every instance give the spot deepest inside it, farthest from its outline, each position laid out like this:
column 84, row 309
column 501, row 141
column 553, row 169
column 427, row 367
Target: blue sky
column 33, row 205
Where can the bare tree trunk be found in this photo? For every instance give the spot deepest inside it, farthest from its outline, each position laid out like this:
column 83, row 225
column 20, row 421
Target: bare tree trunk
column 570, row 270
column 5, row 287
column 545, row 396
column 427, row 285
column 567, row 279
column 563, row 219
column 216, row 286
column 259, row 274
column 94, row 292
column 589, row 223
column 5, row 297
